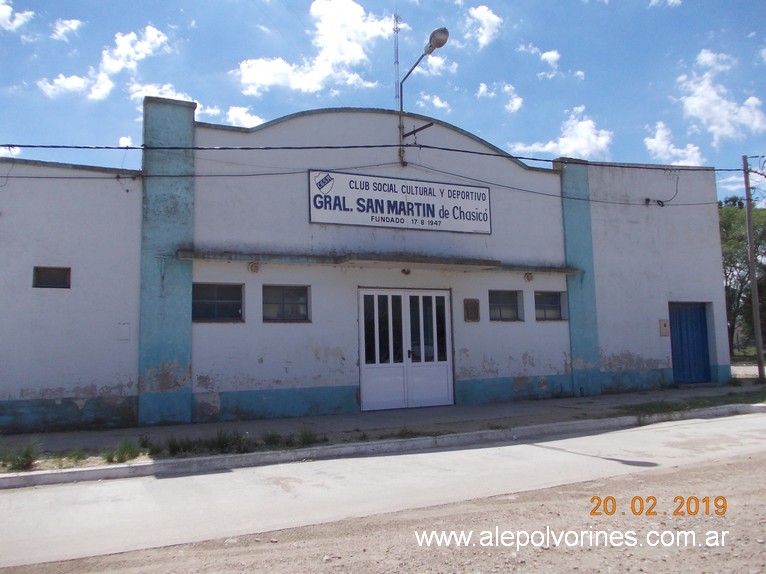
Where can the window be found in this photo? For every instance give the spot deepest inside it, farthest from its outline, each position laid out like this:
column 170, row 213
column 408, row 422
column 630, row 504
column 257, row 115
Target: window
column 285, row 303
column 216, row 302
column 548, row 306
column 52, row 277
column 505, row 306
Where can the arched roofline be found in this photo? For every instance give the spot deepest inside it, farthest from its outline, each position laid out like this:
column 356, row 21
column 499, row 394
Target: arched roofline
column 493, row 148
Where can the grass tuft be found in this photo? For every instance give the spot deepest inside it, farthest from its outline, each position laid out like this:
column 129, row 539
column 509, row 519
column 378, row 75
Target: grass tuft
column 123, row 452
column 22, row 459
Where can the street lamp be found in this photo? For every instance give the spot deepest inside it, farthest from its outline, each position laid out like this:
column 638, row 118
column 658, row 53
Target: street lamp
column 437, row 39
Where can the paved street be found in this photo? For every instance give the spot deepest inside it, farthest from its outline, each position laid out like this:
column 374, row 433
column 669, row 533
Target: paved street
column 77, row 520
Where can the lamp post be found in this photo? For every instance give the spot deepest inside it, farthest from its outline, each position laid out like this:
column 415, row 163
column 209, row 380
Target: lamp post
column 437, row 39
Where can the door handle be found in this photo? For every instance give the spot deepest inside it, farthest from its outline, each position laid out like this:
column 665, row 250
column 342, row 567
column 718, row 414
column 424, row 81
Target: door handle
column 409, row 354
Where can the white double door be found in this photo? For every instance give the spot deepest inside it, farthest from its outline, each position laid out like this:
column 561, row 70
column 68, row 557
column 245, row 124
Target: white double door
column 405, row 349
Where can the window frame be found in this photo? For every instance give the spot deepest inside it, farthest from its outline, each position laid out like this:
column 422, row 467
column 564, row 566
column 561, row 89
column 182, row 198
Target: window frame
column 218, row 303
column 546, row 308
column 283, row 302
column 41, row 277
column 517, row 306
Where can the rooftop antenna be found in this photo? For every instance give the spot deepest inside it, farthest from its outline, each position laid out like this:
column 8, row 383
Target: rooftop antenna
column 396, row 55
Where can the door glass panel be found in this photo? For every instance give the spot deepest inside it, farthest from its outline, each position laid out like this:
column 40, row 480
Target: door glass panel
column 415, row 328
column 396, row 323
column 383, row 340
column 369, row 329
column 428, row 329
column 441, row 328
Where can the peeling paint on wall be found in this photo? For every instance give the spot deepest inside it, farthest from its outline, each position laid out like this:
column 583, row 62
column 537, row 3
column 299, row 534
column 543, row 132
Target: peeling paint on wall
column 168, row 377
column 628, row 361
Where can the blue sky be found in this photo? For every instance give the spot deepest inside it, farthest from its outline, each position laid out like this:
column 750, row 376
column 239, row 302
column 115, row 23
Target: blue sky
column 638, row 81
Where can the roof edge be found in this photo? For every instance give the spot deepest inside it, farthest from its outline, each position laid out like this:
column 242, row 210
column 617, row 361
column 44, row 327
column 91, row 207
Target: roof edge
column 270, row 123
column 62, row 165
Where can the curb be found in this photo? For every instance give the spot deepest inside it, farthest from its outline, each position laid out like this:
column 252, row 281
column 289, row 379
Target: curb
column 217, row 463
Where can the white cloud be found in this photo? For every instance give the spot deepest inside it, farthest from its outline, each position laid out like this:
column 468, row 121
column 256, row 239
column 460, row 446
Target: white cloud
column 483, row 24
column 426, row 100
column 129, row 49
column 661, row 148
column 10, row 21
column 62, row 84
column 715, row 61
column 343, row 34
column 515, row 101
column 10, row 151
column 550, row 57
column 101, row 85
column 139, row 91
column 579, row 138
column 710, row 103
column 763, row 55
column 670, row 3
column 435, row 65
column 212, row 111
column 241, row 116
column 485, row 92
column 62, row 29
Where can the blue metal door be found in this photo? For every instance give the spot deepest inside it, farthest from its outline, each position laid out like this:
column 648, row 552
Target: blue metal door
column 689, row 343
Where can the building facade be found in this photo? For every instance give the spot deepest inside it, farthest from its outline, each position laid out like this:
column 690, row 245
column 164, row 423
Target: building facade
column 313, row 265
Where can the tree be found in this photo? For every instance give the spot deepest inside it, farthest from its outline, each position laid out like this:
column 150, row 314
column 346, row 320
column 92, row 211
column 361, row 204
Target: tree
column 733, row 226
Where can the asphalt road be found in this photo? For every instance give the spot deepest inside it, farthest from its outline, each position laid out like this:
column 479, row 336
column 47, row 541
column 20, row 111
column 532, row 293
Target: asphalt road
column 77, row 520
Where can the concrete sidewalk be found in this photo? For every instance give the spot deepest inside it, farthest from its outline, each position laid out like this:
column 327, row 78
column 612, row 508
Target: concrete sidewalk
column 376, row 432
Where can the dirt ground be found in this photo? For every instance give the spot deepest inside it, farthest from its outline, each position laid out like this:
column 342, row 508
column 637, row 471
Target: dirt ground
column 387, row 543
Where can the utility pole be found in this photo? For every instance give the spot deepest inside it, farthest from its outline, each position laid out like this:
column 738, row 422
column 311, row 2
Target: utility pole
column 751, row 266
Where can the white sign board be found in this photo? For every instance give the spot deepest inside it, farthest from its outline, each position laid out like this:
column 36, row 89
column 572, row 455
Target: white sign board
column 350, row 199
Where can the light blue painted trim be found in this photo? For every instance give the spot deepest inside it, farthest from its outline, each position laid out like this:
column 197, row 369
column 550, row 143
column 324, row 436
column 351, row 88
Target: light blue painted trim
column 277, row 403
column 505, row 389
column 581, row 289
column 721, row 374
column 167, row 407
column 49, row 415
column 165, row 331
column 627, row 381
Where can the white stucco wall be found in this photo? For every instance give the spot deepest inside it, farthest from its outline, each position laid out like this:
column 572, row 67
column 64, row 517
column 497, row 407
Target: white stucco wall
column 325, row 352
column 646, row 256
column 78, row 342
column 271, row 212
column 257, row 212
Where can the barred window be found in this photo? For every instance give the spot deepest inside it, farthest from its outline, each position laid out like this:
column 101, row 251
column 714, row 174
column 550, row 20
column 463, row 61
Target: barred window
column 548, row 306
column 213, row 302
column 505, row 306
column 285, row 303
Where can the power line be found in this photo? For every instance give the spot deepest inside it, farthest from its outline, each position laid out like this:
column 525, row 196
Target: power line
column 498, row 154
